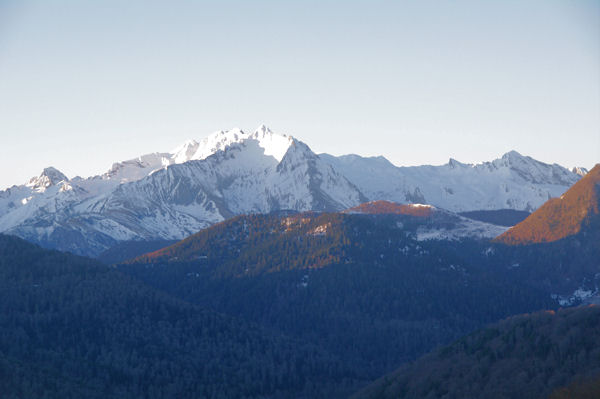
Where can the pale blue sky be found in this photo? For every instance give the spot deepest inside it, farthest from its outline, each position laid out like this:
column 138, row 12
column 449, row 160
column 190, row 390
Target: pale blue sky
column 84, row 84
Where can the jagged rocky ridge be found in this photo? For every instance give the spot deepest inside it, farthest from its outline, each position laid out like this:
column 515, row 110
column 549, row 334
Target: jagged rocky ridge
column 175, row 194
column 513, row 181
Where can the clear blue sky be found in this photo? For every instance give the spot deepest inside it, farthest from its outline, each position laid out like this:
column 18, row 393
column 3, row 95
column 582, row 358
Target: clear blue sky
column 84, row 84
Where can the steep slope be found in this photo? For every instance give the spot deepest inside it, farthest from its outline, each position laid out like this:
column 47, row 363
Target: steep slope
column 512, row 182
column 71, row 328
column 560, row 217
column 527, row 356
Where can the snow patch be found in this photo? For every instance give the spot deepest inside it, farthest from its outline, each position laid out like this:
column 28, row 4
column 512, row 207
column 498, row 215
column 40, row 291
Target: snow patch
column 580, row 295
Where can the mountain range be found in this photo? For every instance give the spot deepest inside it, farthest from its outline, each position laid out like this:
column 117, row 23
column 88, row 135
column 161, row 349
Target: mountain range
column 168, row 196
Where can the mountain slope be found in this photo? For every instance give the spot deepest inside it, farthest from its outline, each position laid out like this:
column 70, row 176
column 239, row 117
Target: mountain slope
column 71, row 328
column 560, row 217
column 512, row 182
column 526, row 356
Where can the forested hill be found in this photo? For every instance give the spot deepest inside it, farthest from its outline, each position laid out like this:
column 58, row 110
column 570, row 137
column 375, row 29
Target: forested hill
column 253, row 244
column 71, row 327
column 529, row 356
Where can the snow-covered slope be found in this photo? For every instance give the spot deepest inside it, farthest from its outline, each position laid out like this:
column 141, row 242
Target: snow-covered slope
column 172, row 195
column 511, row 182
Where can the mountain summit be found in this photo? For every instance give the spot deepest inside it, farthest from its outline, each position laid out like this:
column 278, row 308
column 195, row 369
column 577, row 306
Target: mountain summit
column 273, row 144
column 560, row 217
column 49, row 177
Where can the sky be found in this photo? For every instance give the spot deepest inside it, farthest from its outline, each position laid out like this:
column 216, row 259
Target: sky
column 84, row 84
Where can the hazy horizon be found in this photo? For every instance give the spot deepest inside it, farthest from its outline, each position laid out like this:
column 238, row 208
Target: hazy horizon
column 84, row 85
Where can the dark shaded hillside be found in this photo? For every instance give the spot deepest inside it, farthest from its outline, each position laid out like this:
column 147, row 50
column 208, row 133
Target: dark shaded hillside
column 71, row 327
column 361, row 285
column 130, row 249
column 560, row 217
column 527, row 356
column 500, row 217
column 586, row 387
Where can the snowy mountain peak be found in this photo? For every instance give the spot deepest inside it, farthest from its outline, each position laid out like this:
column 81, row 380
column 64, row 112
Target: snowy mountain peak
column 274, row 145
column 191, row 150
column 453, row 163
column 262, row 129
column 533, row 170
column 185, row 152
column 512, row 155
column 207, row 146
column 49, row 177
column 512, row 159
column 579, row 170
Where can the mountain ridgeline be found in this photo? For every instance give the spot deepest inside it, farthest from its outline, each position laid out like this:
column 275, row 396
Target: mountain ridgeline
column 170, row 195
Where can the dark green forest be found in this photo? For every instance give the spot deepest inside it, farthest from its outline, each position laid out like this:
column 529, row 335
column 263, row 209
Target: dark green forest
column 71, row 328
column 528, row 356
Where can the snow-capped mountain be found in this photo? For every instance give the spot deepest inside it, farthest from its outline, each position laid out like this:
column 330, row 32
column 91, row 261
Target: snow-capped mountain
column 512, row 182
column 579, row 170
column 173, row 194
